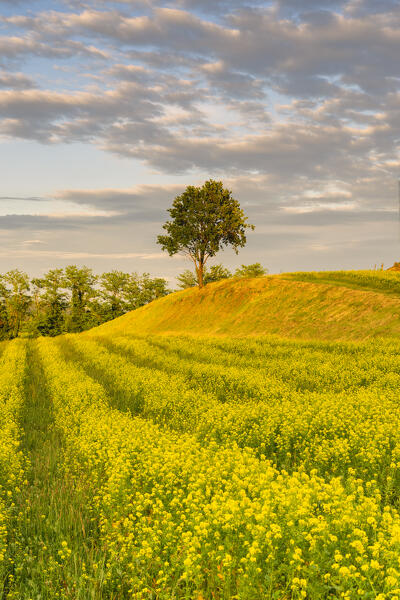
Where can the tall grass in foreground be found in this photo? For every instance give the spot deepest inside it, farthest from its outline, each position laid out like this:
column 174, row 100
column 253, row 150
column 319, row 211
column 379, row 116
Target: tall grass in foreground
column 308, row 406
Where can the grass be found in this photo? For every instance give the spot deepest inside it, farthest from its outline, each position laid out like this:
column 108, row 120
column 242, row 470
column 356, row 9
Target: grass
column 382, row 282
column 327, row 306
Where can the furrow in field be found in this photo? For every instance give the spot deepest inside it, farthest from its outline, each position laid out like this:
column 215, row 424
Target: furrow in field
column 167, row 399
column 314, row 431
column 301, row 372
column 228, row 384
column 3, row 346
column 381, row 354
column 182, row 520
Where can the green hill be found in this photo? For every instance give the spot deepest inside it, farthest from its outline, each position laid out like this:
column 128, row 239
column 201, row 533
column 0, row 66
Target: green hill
column 347, row 305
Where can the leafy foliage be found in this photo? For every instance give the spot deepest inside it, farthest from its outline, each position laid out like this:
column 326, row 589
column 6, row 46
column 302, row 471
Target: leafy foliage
column 254, row 270
column 80, row 283
column 71, row 300
column 189, row 279
column 15, row 300
column 214, row 273
column 51, row 303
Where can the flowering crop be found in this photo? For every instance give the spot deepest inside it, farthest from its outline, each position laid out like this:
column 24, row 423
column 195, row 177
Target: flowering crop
column 12, row 464
column 192, row 509
column 293, row 427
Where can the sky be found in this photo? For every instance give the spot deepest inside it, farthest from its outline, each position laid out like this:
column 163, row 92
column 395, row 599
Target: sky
column 108, row 110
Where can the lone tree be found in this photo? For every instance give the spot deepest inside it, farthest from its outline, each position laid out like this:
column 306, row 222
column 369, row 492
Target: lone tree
column 203, row 221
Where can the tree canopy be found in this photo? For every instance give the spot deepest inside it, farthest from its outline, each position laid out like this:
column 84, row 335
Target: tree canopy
column 70, row 300
column 203, row 221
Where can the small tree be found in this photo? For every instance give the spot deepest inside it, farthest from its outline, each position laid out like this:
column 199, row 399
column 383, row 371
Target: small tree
column 152, row 288
column 188, row 279
column 203, row 221
column 4, row 320
column 143, row 289
column 113, row 286
column 254, row 270
column 17, row 299
column 216, row 273
column 80, row 282
column 52, row 301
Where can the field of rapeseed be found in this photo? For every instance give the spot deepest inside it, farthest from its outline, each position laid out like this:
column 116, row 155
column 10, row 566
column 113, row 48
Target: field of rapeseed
column 174, row 467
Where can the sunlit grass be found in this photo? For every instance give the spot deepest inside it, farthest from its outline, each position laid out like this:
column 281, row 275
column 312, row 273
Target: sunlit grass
column 312, row 305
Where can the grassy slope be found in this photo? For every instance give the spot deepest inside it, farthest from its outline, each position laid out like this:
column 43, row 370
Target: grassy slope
column 328, row 308
column 384, row 282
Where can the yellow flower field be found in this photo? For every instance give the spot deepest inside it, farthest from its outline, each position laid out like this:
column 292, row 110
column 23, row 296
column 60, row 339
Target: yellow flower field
column 160, row 467
column 209, row 468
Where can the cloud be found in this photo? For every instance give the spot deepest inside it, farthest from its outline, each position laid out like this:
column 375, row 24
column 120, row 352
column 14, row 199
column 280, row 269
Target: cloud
column 23, row 199
column 328, row 217
column 296, row 104
column 261, row 196
column 50, row 222
column 67, row 255
column 12, row 47
column 232, row 84
column 16, row 81
column 298, row 149
column 111, row 207
column 32, row 242
column 145, row 198
column 175, row 28
column 50, row 116
column 129, row 72
column 322, row 59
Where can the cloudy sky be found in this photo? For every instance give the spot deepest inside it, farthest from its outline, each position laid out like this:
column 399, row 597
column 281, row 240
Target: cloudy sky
column 109, row 109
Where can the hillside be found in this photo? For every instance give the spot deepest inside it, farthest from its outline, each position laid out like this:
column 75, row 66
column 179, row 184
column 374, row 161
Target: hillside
column 395, row 267
column 348, row 305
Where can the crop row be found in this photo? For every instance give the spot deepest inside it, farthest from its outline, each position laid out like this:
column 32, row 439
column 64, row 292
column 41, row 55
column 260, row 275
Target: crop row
column 182, row 519
column 12, row 463
column 286, row 365
column 333, row 433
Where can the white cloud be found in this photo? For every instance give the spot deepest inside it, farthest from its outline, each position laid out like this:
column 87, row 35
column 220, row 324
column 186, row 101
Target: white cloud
column 70, row 255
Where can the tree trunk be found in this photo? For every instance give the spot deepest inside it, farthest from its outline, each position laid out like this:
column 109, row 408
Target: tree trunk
column 17, row 326
column 200, row 274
